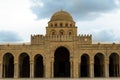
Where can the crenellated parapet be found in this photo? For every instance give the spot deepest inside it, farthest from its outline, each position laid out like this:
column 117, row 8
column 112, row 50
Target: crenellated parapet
column 81, row 39
column 40, row 39
column 37, row 39
column 85, row 39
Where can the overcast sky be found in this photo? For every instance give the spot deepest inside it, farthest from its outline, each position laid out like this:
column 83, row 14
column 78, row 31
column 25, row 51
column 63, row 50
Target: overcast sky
column 21, row 18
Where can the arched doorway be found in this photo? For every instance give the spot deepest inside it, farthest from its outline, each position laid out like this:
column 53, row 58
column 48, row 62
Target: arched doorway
column 8, row 66
column 84, row 66
column 61, row 63
column 99, row 65
column 38, row 66
column 114, row 65
column 24, row 65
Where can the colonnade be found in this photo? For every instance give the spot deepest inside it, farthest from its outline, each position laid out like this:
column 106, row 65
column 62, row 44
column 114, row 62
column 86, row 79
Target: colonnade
column 97, row 66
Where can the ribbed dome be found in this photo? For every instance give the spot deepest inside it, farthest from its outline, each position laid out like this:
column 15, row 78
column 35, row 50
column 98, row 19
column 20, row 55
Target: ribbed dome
column 61, row 16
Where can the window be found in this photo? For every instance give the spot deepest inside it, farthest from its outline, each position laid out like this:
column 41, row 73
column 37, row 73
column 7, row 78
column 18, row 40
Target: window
column 53, row 32
column 66, row 25
column 61, row 25
column 55, row 24
column 51, row 25
column 61, row 32
column 70, row 33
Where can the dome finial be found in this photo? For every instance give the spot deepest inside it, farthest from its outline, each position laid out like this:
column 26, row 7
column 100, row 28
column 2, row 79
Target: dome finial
column 61, row 9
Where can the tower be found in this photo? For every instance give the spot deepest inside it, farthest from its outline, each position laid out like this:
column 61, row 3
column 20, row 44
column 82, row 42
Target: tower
column 61, row 23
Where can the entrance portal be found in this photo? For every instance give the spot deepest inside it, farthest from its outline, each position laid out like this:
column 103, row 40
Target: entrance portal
column 61, row 64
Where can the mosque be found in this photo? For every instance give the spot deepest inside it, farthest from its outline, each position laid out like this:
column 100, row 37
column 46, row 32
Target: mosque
column 60, row 53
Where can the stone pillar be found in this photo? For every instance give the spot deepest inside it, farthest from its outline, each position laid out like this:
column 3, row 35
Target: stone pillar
column 91, row 68
column 106, row 69
column 71, row 69
column 76, row 66
column 3, row 73
column 114, row 69
column 47, row 68
column 16, row 71
column 1, row 70
column 119, row 66
column 52, row 68
column 31, row 69
column 117, row 70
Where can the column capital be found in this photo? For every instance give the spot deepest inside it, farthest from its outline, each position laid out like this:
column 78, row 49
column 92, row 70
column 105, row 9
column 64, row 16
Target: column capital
column 15, row 62
column 106, row 62
column 31, row 61
column 52, row 59
column 91, row 61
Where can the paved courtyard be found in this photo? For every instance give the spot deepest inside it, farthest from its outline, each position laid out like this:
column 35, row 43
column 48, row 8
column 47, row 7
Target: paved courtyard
column 66, row 79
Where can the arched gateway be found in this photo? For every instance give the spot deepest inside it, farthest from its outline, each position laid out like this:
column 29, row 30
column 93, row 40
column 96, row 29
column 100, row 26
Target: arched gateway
column 61, row 63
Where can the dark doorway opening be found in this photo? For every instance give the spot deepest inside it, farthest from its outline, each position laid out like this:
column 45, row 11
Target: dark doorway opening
column 24, row 65
column 61, row 64
column 114, row 65
column 8, row 66
column 99, row 65
column 84, row 67
column 38, row 66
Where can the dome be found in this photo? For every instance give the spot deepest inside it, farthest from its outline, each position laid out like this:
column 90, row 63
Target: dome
column 61, row 16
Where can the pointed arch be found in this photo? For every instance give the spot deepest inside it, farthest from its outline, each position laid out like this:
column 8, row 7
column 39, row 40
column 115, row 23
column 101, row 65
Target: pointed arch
column 61, row 32
column 84, row 66
column 24, row 65
column 62, row 63
column 8, row 65
column 53, row 32
column 38, row 66
column 114, row 65
column 70, row 32
column 99, row 65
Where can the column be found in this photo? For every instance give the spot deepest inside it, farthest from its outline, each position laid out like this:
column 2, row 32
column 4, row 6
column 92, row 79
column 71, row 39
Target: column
column 71, row 69
column 3, row 73
column 114, row 70
column 106, row 69
column 52, row 68
column 1, row 70
column 91, row 68
column 76, row 66
column 16, row 71
column 47, row 69
column 117, row 70
column 31, row 69
column 119, row 66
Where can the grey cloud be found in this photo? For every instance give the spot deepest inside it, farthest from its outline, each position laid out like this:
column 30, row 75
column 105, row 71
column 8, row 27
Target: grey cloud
column 84, row 9
column 105, row 36
column 9, row 36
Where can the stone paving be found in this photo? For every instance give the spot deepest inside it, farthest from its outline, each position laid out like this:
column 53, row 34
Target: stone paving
column 64, row 79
